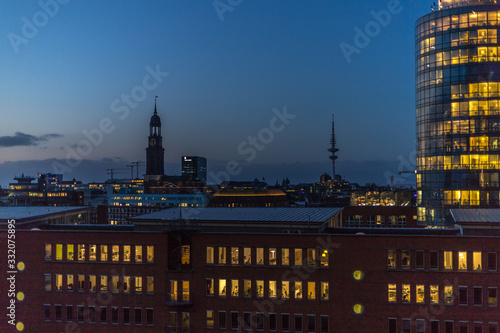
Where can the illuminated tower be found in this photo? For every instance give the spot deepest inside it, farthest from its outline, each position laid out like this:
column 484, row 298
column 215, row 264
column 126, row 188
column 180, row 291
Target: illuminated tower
column 457, row 109
column 333, row 150
column 155, row 151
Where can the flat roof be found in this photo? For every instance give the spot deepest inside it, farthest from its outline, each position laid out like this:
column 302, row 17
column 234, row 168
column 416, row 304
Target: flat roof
column 315, row 215
column 484, row 215
column 22, row 212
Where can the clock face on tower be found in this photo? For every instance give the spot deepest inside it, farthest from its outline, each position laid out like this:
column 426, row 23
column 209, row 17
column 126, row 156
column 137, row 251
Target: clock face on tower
column 152, row 142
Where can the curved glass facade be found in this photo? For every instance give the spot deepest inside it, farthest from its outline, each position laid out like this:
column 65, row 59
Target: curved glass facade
column 457, row 109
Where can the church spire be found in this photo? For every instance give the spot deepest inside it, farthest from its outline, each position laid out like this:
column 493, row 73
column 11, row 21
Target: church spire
column 156, row 97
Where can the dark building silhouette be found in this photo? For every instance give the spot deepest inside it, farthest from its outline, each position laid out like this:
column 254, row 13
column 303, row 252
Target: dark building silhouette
column 155, row 152
column 194, row 168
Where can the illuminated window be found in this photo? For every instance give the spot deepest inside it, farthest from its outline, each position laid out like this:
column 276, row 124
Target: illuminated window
column 138, row 284
column 69, row 282
column 448, row 295
column 59, row 251
column 150, row 285
column 298, row 289
column 311, row 291
column 434, row 293
column 298, row 257
column 92, row 283
column 210, row 255
column 104, row 283
column 285, row 289
column 48, row 251
column 272, row 256
column 173, row 290
column 126, row 253
column 185, row 322
column 391, row 258
column 58, row 280
column 115, row 253
column 260, row 288
column 247, row 256
column 420, row 296
column 492, row 296
column 150, row 253
column 285, row 257
column 405, row 259
column 104, row 253
column 126, row 284
column 138, row 253
column 247, row 288
column 186, row 255
column 273, row 289
column 448, row 260
column 114, row 284
column 324, row 258
column 462, row 260
column 210, row 287
column 185, row 291
column 222, row 255
column 311, row 257
column 478, row 261
column 210, row 322
column 222, row 287
column 260, row 255
column 81, row 252
column 235, row 256
column 235, row 292
column 406, row 293
column 81, row 283
column 70, row 251
column 392, row 292
column 92, row 252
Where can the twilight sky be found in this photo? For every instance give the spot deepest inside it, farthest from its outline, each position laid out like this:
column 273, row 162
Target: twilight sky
column 94, row 67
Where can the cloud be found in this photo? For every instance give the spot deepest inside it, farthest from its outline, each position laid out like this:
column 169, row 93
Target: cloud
column 22, row 139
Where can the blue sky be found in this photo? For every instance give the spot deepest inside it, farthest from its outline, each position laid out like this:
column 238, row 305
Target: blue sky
column 225, row 78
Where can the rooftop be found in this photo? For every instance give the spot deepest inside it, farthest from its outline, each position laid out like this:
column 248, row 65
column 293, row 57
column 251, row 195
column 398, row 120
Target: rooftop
column 315, row 215
column 487, row 215
column 17, row 213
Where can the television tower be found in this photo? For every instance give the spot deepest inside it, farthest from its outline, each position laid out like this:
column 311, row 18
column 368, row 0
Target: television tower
column 333, row 150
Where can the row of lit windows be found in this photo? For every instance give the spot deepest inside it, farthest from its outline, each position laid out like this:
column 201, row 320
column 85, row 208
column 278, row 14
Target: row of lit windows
column 179, row 295
column 459, row 38
column 102, row 314
column 466, row 91
column 275, row 289
column 462, row 21
column 464, row 260
column 476, row 90
column 448, row 297
column 266, row 256
column 466, row 126
column 459, row 162
column 375, row 221
column 446, row 326
column 117, row 253
column 258, row 321
column 452, row 57
column 94, row 283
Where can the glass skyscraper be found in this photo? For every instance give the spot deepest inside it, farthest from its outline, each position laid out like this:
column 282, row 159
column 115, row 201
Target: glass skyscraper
column 457, row 109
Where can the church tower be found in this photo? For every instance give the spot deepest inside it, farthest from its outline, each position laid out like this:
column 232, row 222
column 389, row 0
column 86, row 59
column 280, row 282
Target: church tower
column 155, row 151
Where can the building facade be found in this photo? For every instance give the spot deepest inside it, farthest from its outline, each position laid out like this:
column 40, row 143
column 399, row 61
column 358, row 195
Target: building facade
column 457, row 108
column 195, row 168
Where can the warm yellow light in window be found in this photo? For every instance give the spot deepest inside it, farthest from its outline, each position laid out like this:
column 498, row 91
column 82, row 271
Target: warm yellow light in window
column 358, row 275
column 358, row 309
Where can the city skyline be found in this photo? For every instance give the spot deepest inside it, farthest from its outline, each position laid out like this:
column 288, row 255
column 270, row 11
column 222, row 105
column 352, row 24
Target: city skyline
column 221, row 86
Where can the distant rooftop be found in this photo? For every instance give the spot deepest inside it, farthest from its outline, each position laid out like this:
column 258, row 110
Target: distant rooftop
column 17, row 213
column 314, row 215
column 486, row 215
column 445, row 4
